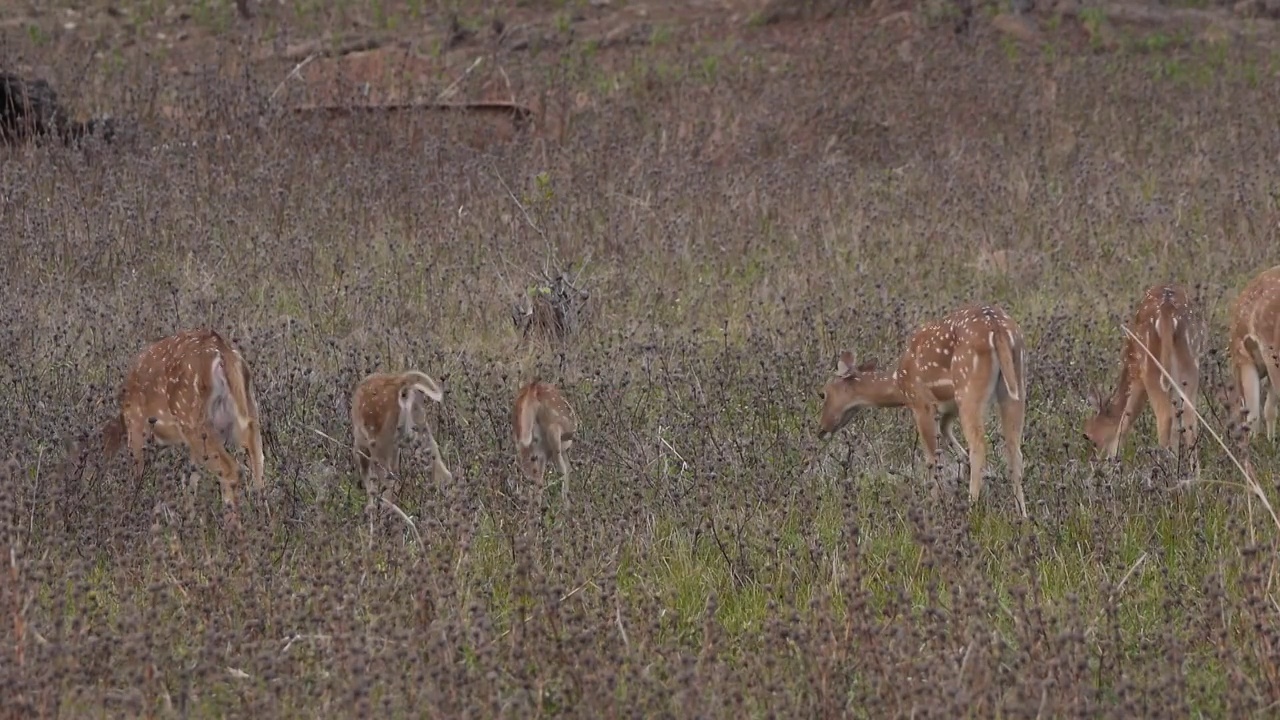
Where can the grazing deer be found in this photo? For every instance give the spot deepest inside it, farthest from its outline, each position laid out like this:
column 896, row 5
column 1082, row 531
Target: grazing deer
column 1255, row 347
column 194, row 389
column 1175, row 333
column 386, row 409
column 954, row 367
column 544, row 426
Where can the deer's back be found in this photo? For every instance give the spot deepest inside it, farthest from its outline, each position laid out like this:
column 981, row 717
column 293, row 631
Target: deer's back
column 372, row 399
column 1257, row 308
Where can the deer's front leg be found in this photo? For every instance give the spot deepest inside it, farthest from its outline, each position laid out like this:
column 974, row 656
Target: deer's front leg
column 215, row 457
column 555, row 451
column 360, row 459
column 948, row 425
column 137, row 447
column 439, row 471
column 1132, row 406
column 1271, row 410
column 927, row 426
column 1249, row 385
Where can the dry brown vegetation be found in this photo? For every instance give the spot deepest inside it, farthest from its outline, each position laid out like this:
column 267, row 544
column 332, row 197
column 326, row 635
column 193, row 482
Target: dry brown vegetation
column 743, row 198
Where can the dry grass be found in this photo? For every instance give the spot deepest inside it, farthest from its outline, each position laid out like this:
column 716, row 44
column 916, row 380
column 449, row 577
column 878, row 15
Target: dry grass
column 742, row 203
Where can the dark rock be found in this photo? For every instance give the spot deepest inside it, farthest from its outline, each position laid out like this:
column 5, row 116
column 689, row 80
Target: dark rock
column 29, row 109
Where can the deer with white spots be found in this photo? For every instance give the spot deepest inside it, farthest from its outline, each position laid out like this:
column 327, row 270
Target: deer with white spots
column 194, row 389
column 387, row 409
column 953, row 367
column 1175, row 333
column 1255, row 348
column 544, row 426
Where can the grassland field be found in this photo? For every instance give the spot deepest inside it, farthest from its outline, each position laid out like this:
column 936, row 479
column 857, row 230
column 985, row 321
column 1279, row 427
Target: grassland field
column 743, row 198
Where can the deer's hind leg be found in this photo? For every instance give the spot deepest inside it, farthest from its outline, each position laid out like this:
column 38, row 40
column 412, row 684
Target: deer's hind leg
column 972, row 399
column 1161, row 405
column 249, row 436
column 1013, row 415
column 972, row 417
column 1186, row 426
column 209, row 452
column 555, row 453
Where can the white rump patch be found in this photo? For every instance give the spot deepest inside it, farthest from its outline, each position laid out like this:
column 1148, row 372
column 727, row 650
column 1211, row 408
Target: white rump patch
column 221, row 407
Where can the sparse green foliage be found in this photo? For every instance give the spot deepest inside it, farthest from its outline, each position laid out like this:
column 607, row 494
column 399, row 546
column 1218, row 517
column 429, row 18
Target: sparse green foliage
column 1009, row 47
column 1093, row 18
column 37, row 35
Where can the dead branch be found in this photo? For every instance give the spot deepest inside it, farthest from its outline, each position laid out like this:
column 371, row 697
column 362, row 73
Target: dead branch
column 325, row 48
column 519, row 114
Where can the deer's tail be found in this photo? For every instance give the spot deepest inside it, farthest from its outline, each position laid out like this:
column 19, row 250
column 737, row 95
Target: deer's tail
column 1166, row 327
column 423, row 382
column 526, row 416
column 1008, row 368
column 233, row 406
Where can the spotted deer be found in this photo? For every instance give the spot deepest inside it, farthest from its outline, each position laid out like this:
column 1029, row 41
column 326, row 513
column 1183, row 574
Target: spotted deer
column 1175, row 333
column 387, row 409
column 194, row 389
column 954, row 367
column 544, row 426
column 1255, row 348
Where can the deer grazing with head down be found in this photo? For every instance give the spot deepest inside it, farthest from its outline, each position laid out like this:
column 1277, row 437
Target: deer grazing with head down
column 194, row 389
column 1255, row 348
column 387, row 409
column 953, row 367
column 1175, row 335
column 544, row 426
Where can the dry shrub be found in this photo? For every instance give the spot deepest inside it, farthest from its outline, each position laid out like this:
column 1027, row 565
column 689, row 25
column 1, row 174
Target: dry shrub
column 551, row 311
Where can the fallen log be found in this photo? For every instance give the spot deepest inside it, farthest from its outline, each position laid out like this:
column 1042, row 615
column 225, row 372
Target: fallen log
column 520, row 115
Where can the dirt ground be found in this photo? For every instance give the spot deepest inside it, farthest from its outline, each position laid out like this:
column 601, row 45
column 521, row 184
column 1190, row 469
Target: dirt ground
column 305, row 58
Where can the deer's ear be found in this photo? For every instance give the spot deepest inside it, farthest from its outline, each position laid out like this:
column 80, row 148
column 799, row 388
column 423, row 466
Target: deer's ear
column 847, row 365
column 867, row 366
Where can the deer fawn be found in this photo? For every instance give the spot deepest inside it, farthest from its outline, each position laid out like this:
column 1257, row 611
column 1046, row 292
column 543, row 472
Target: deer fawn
column 387, row 408
column 1175, row 333
column 1255, row 347
column 194, row 389
column 953, row 366
column 544, row 426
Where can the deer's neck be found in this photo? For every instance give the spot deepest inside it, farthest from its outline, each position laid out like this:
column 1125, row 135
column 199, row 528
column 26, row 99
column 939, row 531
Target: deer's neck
column 1119, row 397
column 881, row 390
